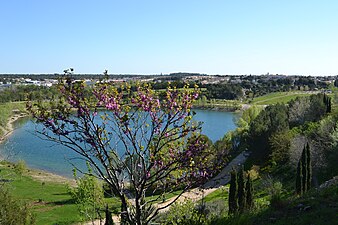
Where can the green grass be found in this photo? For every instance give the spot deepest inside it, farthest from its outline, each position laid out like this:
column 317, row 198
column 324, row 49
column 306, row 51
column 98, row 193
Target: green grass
column 50, row 202
column 277, row 97
column 219, row 194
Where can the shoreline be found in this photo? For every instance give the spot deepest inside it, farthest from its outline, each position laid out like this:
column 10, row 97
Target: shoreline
column 9, row 128
column 37, row 174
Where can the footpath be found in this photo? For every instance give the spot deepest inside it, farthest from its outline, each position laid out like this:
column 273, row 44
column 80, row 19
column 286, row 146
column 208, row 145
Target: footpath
column 212, row 185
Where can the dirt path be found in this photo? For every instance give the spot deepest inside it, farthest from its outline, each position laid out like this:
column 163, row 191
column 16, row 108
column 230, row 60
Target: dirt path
column 220, row 180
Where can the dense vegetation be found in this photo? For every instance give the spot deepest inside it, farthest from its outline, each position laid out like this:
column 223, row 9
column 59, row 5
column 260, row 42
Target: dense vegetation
column 30, row 92
column 280, row 138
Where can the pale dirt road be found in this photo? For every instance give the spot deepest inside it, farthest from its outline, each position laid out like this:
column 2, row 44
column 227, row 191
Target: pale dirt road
column 220, row 180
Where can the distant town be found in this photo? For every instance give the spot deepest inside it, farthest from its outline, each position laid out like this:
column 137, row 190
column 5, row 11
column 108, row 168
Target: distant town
column 48, row 80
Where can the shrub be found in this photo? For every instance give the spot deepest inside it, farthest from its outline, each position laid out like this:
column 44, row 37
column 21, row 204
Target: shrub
column 13, row 211
column 184, row 213
column 88, row 196
column 20, row 167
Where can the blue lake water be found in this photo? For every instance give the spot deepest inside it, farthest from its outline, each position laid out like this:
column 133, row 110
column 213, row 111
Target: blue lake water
column 41, row 154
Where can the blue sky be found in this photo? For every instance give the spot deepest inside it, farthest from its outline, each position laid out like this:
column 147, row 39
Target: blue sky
column 152, row 37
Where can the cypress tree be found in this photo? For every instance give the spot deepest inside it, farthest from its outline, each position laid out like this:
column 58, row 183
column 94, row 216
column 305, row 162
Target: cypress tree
column 304, row 170
column 241, row 190
column 329, row 105
column 308, row 167
column 299, row 178
column 233, row 200
column 109, row 218
column 249, row 193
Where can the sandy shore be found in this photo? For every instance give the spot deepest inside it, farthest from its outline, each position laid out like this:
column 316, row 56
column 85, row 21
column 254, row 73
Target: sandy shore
column 40, row 175
column 10, row 126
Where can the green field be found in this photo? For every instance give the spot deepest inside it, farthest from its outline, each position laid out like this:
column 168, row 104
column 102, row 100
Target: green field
column 50, row 201
column 278, row 97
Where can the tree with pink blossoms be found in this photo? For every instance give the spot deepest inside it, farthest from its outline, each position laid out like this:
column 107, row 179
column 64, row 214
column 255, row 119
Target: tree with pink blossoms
column 137, row 142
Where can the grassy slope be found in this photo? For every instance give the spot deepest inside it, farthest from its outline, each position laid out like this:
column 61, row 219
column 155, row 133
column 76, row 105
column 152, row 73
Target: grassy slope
column 315, row 207
column 50, row 201
column 277, row 97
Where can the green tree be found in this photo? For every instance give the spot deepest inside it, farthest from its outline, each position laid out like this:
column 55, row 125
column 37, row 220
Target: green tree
column 241, row 193
column 88, row 196
column 308, row 167
column 249, row 193
column 299, row 178
column 304, row 170
column 109, row 218
column 233, row 190
column 273, row 119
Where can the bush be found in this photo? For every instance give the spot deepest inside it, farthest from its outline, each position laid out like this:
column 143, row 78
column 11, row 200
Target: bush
column 184, row 214
column 20, row 167
column 12, row 211
column 88, row 196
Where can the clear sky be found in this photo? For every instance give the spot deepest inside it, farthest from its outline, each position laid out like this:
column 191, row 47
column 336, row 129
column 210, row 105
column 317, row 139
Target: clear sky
column 164, row 36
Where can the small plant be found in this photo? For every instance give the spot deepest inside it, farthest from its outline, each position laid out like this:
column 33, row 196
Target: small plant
column 20, row 167
column 276, row 191
column 88, row 196
column 184, row 214
column 13, row 211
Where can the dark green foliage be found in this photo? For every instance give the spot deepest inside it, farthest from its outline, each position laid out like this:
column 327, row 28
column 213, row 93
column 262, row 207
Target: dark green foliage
column 233, row 200
column 109, row 218
column 317, row 108
column 327, row 102
column 272, row 120
column 241, row 194
column 249, row 193
column 304, row 171
column 308, row 167
column 299, row 178
column 23, row 92
column 224, row 91
column 308, row 109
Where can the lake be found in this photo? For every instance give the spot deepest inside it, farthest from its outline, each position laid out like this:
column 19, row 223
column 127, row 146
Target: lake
column 41, row 154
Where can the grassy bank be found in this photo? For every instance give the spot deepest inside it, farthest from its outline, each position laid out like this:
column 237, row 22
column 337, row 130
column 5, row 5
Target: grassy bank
column 316, row 207
column 218, row 104
column 278, row 97
column 49, row 200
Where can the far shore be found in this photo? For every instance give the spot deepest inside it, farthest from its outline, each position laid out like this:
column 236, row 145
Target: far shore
column 10, row 126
